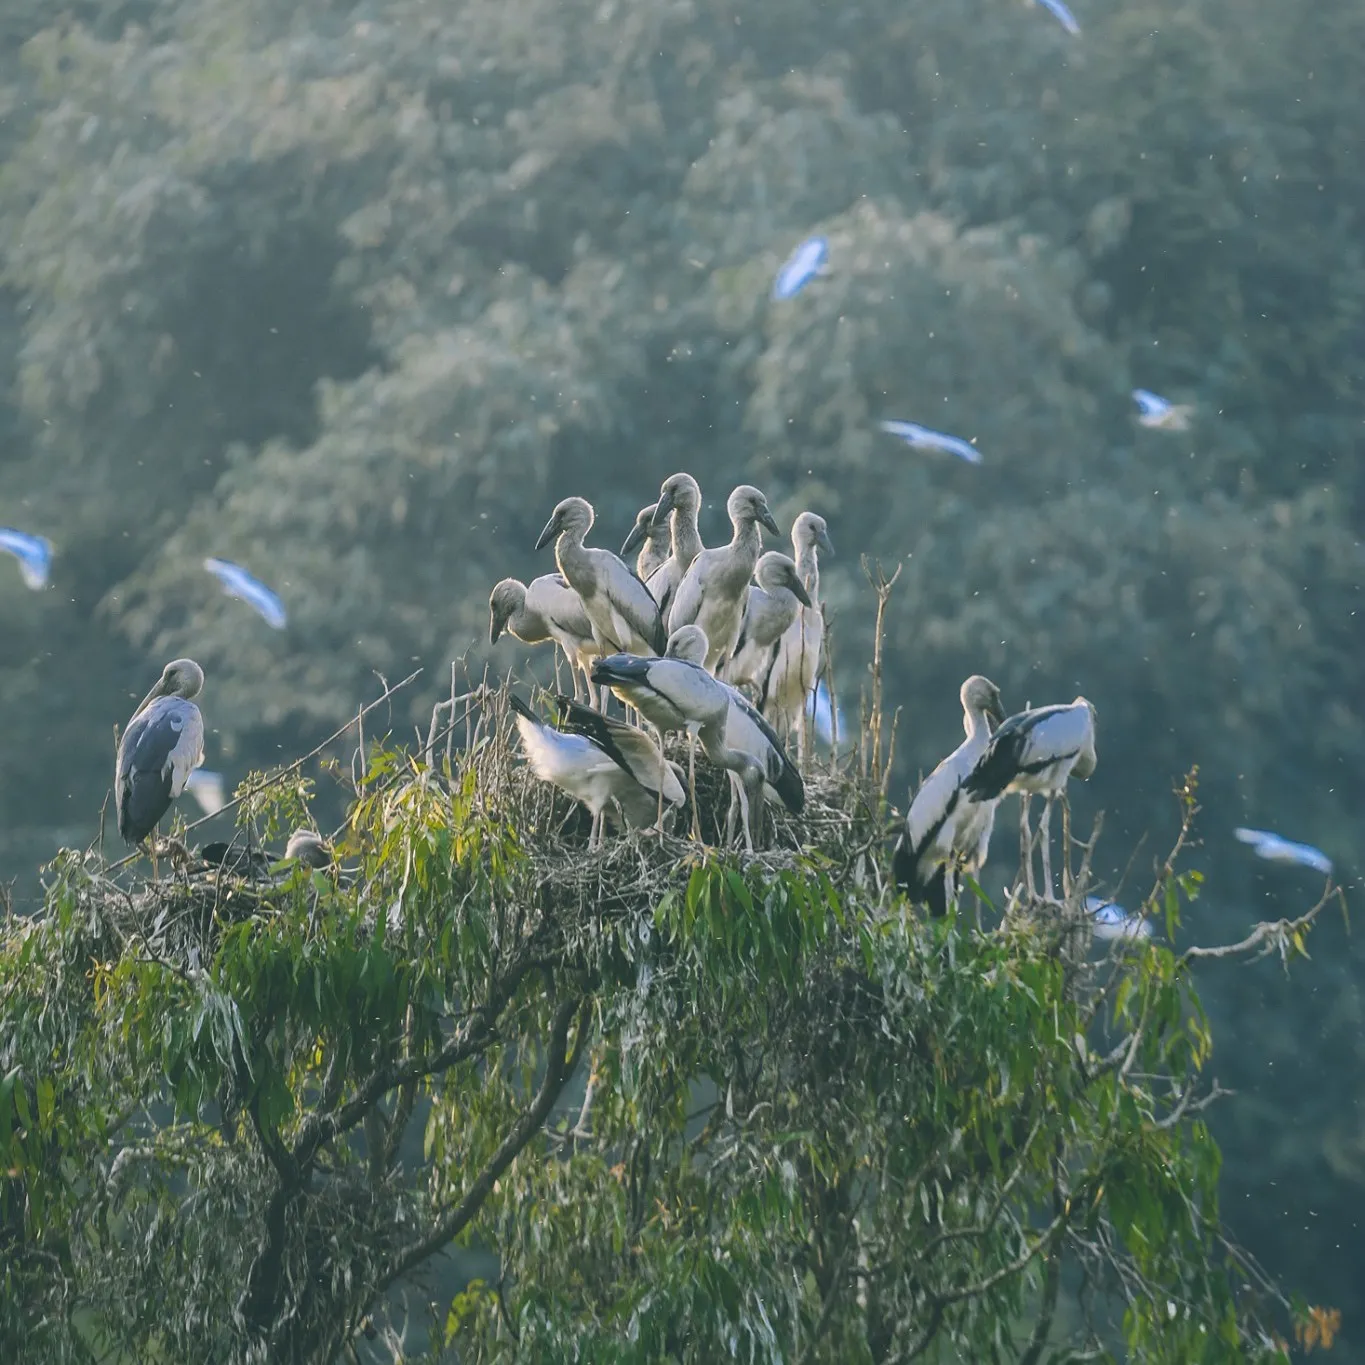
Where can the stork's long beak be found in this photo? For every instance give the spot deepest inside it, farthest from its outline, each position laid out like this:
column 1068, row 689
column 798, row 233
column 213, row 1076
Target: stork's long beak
column 497, row 623
column 996, row 711
column 637, row 535
column 798, row 587
column 661, row 510
column 824, row 542
column 159, row 690
column 767, row 520
column 548, row 534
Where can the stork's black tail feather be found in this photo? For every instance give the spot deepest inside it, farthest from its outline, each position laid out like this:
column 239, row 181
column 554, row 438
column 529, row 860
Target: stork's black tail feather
column 932, row 892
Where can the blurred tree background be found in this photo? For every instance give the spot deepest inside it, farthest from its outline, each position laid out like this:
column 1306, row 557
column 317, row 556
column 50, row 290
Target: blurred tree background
column 353, row 294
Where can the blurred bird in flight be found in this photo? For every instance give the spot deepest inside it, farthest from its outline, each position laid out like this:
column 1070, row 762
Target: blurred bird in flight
column 34, row 554
column 923, row 438
column 801, row 267
column 1155, row 412
column 240, row 584
column 1275, row 849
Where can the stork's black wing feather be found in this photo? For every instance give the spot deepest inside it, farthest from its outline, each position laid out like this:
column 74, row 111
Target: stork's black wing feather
column 577, row 719
column 932, row 891
column 1003, row 760
column 781, row 772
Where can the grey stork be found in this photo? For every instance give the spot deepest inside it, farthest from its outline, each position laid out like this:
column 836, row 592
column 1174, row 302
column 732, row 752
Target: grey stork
column 619, row 607
column 942, row 827
column 652, row 538
column 546, row 608
column 797, row 664
column 601, row 762
column 770, row 610
column 1034, row 753
column 712, row 592
column 162, row 744
column 678, row 508
column 677, row 693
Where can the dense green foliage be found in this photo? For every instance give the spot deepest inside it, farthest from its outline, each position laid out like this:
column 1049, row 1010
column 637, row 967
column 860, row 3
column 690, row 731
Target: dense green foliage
column 693, row 1110
column 354, row 293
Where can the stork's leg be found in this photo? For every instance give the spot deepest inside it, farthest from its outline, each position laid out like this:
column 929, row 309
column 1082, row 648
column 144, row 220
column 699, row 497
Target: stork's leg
column 745, row 813
column 753, row 817
column 1045, row 834
column 1066, row 846
column 1026, row 843
column 732, row 812
column 595, row 833
column 663, row 773
column 692, row 783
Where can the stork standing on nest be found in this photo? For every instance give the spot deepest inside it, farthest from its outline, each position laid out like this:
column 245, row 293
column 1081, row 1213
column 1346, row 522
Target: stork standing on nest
column 653, row 541
column 161, row 746
column 624, row 617
column 800, row 651
column 546, row 608
column 770, row 610
column 1034, row 753
column 712, row 592
column 678, row 508
column 942, row 826
column 600, row 762
column 677, row 693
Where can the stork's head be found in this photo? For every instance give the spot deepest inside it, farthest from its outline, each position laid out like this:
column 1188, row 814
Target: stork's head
column 776, row 570
column 982, row 695
column 180, row 678
column 573, row 516
column 1090, row 706
column 809, row 531
column 309, row 848
column 688, row 643
column 747, row 505
column 679, row 491
column 506, row 599
column 647, row 527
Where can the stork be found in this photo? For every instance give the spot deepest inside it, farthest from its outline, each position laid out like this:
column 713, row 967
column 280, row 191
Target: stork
column 942, row 826
column 678, row 507
column 712, row 592
column 797, row 664
column 1034, row 753
column 677, row 693
column 653, row 540
column 162, row 744
column 619, row 607
column 547, row 608
column 600, row 762
column 769, row 611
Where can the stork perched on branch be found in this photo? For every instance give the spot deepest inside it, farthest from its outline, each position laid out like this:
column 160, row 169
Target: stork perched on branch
column 623, row 614
column 600, row 762
column 547, row 608
column 712, row 592
column 1034, row 753
column 162, row 744
column 678, row 508
column 943, row 827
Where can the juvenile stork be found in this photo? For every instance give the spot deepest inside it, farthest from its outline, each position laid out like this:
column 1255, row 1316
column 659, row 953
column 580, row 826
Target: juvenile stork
column 712, row 592
column 1034, row 753
column 546, row 608
column 770, row 610
column 624, row 617
column 797, row 664
column 653, row 541
column 161, row 746
column 942, row 826
column 678, row 507
column 677, row 693
column 600, row 762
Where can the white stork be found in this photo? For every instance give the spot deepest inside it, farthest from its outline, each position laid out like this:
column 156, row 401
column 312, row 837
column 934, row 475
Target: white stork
column 712, row 592
column 678, row 507
column 600, row 762
column 942, row 826
column 546, row 608
column 622, row 613
column 1034, row 753
column 162, row 744
column 769, row 611
column 797, row 664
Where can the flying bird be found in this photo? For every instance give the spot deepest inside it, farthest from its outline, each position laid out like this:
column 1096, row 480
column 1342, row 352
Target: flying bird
column 241, row 585
column 1113, row 921
column 1034, row 753
column 943, row 827
column 1155, row 412
column 34, row 554
column 162, row 744
column 1275, row 849
column 924, row 438
column 1063, row 16
column 801, row 267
